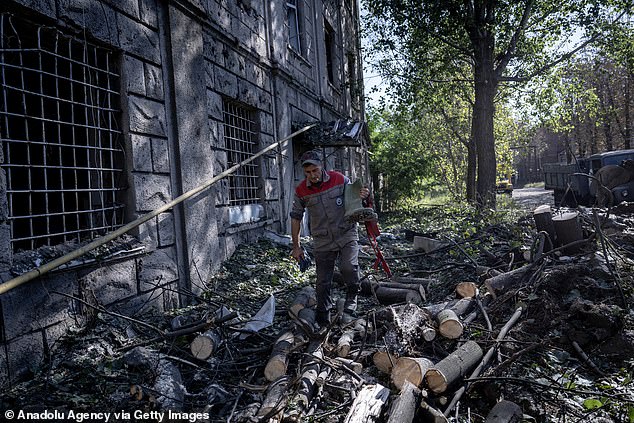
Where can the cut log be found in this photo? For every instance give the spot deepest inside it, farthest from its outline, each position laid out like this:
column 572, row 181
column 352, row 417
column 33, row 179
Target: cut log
column 413, row 322
column 369, row 287
column 310, row 371
column 276, row 397
column 344, row 344
column 453, row 367
column 449, row 325
column 430, row 414
column 410, row 369
column 388, row 296
column 404, row 406
column 500, row 283
column 276, row 366
column 568, row 229
column 544, row 222
column 467, row 289
column 505, row 412
column 368, row 404
column 205, row 344
column 305, row 298
column 384, row 361
column 460, row 306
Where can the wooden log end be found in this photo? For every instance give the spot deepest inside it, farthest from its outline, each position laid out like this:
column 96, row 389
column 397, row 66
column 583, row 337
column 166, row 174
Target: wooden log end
column 436, row 381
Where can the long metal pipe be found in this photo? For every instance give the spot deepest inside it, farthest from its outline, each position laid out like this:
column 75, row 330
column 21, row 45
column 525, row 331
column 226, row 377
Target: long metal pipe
column 47, row 267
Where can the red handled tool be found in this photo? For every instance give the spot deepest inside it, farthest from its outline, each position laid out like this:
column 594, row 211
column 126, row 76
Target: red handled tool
column 372, row 227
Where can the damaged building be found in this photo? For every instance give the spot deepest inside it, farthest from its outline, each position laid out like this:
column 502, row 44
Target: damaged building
column 111, row 109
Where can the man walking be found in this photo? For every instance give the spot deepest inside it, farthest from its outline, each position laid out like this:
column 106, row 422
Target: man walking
column 322, row 194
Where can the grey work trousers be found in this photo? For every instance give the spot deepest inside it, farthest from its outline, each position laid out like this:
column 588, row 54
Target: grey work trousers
column 348, row 266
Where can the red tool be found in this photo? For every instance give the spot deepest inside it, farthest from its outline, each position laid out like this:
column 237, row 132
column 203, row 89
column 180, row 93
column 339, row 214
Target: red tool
column 372, row 227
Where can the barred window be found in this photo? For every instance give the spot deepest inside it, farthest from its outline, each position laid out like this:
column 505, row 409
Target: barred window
column 241, row 142
column 60, row 133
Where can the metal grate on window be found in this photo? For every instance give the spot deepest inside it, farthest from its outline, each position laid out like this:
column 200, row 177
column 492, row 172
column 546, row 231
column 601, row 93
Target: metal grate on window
column 59, row 128
column 241, row 142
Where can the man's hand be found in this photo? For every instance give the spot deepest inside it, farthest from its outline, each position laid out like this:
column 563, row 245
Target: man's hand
column 297, row 253
column 364, row 193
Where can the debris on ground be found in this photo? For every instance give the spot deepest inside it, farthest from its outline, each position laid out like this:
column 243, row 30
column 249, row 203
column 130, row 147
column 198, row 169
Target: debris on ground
column 494, row 322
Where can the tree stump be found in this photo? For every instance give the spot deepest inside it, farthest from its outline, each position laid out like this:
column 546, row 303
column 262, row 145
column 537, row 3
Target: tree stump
column 453, row 367
column 568, row 229
column 544, row 222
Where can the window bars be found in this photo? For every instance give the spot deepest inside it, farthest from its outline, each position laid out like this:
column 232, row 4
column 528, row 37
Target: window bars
column 62, row 146
column 241, row 142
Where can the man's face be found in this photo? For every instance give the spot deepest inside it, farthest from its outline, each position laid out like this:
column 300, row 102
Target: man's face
column 313, row 173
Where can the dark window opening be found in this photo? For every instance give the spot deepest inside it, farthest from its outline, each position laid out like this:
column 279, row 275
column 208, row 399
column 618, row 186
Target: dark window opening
column 329, row 42
column 60, row 134
column 241, row 142
column 294, row 28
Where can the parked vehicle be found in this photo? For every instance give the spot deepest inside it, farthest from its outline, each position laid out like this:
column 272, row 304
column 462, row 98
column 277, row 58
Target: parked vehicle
column 571, row 184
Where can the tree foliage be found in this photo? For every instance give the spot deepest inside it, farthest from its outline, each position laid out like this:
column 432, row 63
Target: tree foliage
column 477, row 50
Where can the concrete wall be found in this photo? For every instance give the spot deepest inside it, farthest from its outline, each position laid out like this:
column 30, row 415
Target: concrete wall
column 179, row 60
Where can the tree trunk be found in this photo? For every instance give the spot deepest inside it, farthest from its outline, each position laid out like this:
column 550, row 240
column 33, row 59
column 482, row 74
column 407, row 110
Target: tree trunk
column 568, row 229
column 404, row 407
column 388, row 296
column 367, row 407
column 345, row 340
column 453, row 367
column 485, row 84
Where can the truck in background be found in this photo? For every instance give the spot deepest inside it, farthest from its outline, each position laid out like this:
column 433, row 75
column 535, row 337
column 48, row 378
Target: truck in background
column 570, row 182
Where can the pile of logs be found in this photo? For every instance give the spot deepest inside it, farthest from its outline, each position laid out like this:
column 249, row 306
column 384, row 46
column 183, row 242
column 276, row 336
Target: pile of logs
column 383, row 363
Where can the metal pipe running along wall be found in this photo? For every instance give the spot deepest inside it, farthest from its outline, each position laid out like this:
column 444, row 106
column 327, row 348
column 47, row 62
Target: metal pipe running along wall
column 47, row 267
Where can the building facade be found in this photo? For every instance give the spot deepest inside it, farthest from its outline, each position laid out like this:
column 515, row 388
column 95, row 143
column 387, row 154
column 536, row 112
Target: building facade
column 112, row 108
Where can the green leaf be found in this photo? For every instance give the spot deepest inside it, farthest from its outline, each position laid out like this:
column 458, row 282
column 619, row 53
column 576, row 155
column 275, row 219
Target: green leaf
column 592, row 404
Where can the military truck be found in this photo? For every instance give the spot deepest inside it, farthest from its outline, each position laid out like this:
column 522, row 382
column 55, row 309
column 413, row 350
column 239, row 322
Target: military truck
column 570, row 182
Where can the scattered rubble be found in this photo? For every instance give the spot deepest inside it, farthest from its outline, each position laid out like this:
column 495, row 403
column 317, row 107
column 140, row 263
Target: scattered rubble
column 496, row 323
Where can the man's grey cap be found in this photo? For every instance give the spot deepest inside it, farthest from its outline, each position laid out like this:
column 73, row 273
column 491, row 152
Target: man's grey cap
column 311, row 157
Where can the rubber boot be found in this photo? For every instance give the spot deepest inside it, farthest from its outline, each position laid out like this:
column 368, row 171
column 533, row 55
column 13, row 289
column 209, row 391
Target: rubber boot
column 355, row 212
